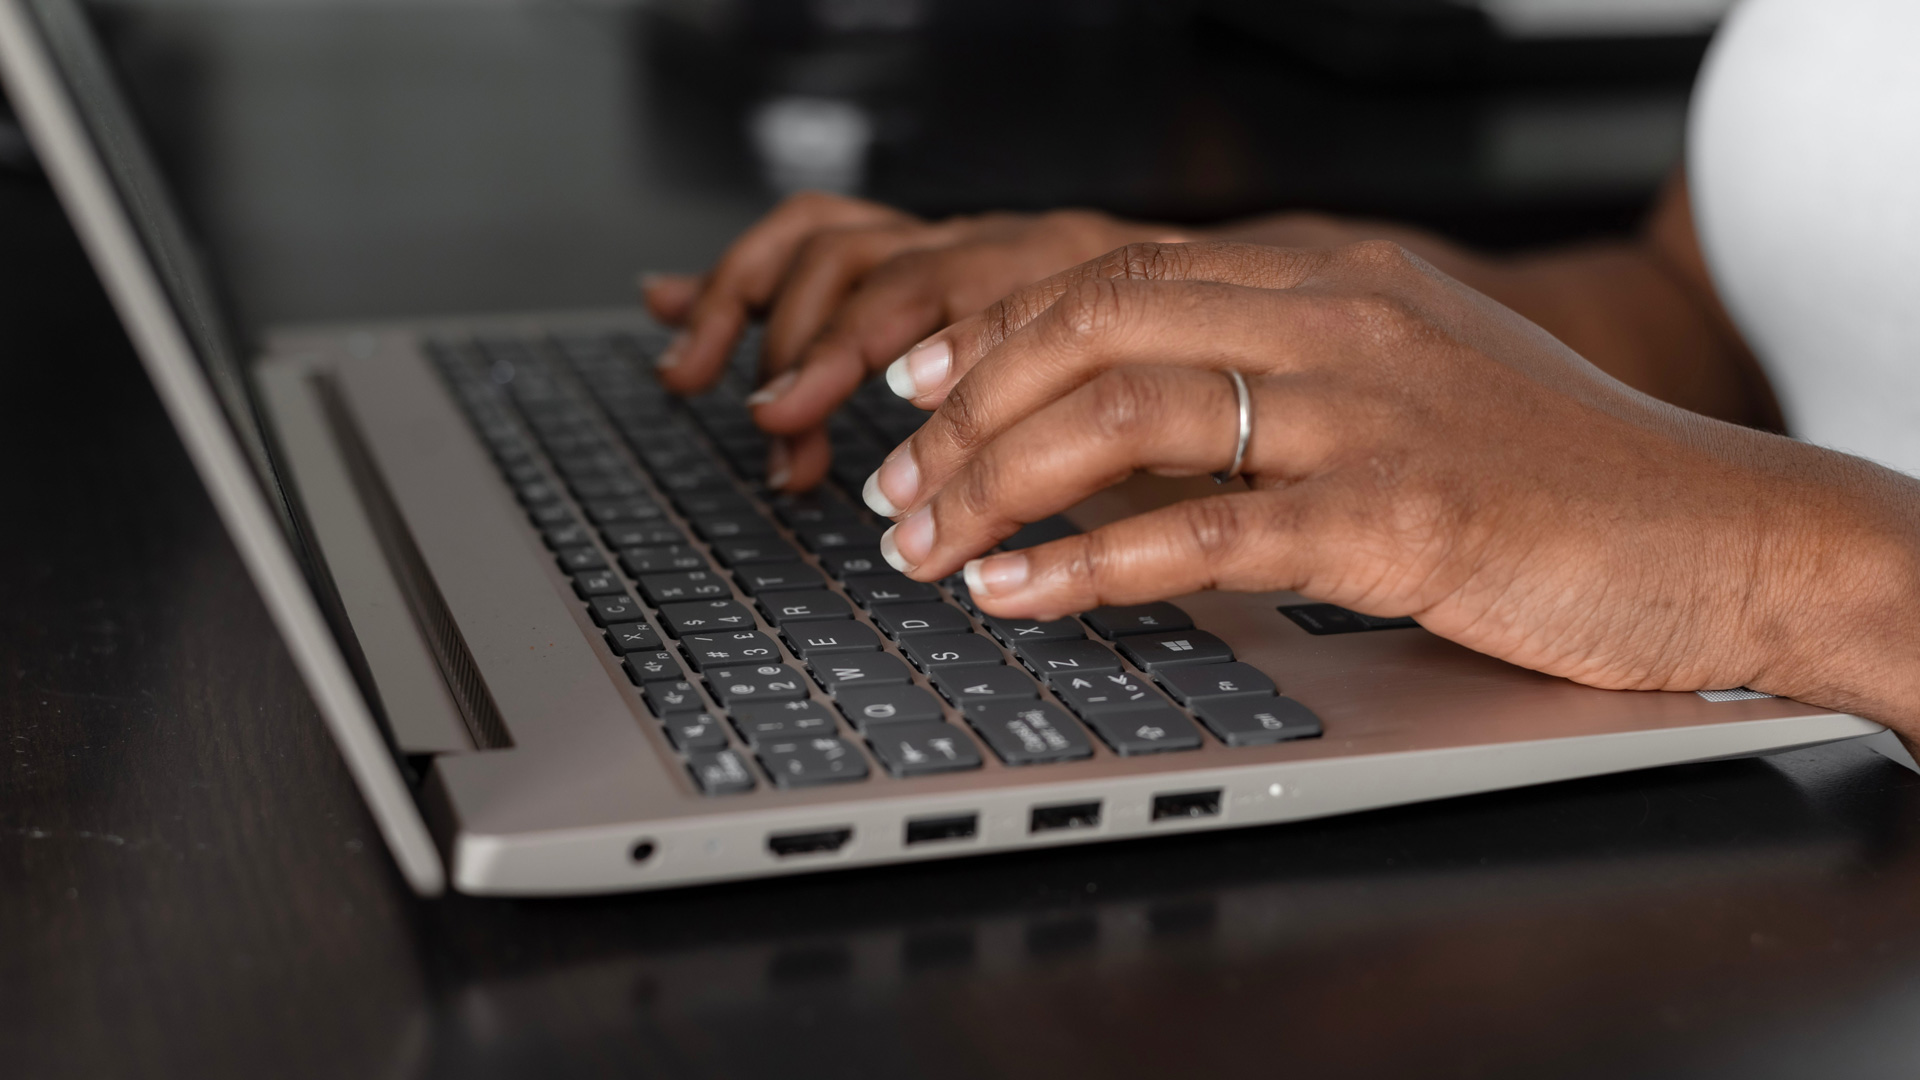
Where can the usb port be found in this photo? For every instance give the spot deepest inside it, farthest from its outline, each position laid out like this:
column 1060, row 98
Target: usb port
column 809, row 843
column 1187, row 804
column 952, row 827
column 1083, row 815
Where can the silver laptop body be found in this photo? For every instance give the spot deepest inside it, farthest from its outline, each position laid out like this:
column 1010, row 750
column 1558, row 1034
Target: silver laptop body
column 445, row 516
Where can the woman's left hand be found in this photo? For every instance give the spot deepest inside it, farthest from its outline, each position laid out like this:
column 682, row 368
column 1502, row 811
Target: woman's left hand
column 1417, row 449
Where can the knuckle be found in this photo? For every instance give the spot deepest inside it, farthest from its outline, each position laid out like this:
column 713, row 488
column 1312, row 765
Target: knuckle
column 1377, row 255
column 1216, row 527
column 1090, row 308
column 963, row 417
column 1123, row 403
column 973, row 491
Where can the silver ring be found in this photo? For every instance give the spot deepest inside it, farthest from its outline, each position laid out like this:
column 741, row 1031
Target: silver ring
column 1246, row 428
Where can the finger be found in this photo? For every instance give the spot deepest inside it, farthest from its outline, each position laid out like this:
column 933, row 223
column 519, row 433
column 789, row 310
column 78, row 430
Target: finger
column 1170, row 421
column 744, row 280
column 669, row 296
column 826, row 268
column 798, row 462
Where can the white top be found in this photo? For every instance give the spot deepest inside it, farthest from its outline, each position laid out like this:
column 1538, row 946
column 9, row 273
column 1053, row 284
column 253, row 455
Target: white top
column 1804, row 161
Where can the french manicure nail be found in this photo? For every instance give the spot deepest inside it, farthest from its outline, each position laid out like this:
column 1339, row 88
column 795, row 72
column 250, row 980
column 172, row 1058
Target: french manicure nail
column 894, row 484
column 876, row 499
column 779, row 463
column 673, row 353
column 921, row 370
column 891, row 551
column 774, row 389
column 913, row 537
column 996, row 576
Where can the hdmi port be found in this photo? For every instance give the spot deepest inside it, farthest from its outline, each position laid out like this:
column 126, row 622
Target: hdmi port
column 809, row 843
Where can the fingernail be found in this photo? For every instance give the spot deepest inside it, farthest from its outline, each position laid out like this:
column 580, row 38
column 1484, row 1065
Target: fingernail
column 773, row 390
column 673, row 353
column 906, row 545
column 779, row 463
column 923, row 368
column 893, row 485
column 996, row 576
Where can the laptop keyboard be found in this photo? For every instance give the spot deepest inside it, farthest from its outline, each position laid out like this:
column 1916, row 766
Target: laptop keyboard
column 733, row 610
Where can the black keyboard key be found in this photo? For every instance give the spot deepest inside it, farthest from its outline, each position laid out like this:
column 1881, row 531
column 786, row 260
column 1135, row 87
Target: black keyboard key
column 729, row 648
column 620, row 608
column 552, row 516
column 694, row 732
column 901, row 621
column 1029, row 732
column 717, row 504
column 1190, row 683
column 667, row 698
column 786, row 608
column 838, row 536
column 754, row 551
column 745, row 685
column 1331, row 619
column 641, row 534
column 662, row 589
column 814, row 508
column 1145, row 731
column 598, row 583
column 1105, row 691
column 716, row 529
column 963, row 686
column 1257, row 721
column 670, row 559
column 933, row 652
column 837, row 673
column 847, row 563
column 1113, row 622
column 694, row 480
column 1016, row 632
column 1044, row 658
column 652, row 665
column 594, row 489
column 806, row 762
column 812, row 640
column 783, row 720
column 1157, row 652
column 720, row 773
column 536, row 494
column 575, row 559
column 920, row 749
column 778, row 577
column 572, row 534
column 705, row 616
column 630, row 511
column 633, row 637
column 871, row 591
column 866, row 706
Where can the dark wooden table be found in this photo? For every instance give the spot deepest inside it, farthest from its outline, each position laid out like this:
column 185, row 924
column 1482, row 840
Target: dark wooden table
column 189, row 885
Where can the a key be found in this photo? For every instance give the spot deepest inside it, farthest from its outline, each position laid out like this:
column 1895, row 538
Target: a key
column 865, row 706
column 692, row 585
column 552, row 516
column 561, row 537
column 628, row 511
column 998, row 683
column 716, row 504
column 689, row 732
column 1017, row 632
column 932, row 652
column 666, row 698
column 919, row 749
column 735, row 686
column 598, row 583
column 847, row 563
column 1044, row 658
column 836, row 536
column 796, row 511
column 766, row 578
column 1156, row 652
column 755, row 551
column 731, row 648
column 720, row 773
column 1029, row 732
column 871, row 591
column 1114, row 622
column 607, row 487
column 716, row 529
column 838, row 672
column 671, row 559
column 1189, row 683
column 652, row 665
column 901, row 621
column 626, row 535
column 704, row 615
column 1104, row 691
column 1145, row 731
column 812, row 640
column 575, row 559
column 786, row 608
column 619, row 608
column 1257, row 721
column 783, row 720
column 806, row 762
column 632, row 637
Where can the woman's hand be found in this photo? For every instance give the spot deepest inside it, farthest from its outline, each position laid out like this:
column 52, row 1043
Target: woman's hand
column 1418, row 450
column 846, row 286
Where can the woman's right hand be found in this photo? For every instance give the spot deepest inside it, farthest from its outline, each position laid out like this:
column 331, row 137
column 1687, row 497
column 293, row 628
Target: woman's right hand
column 846, row 287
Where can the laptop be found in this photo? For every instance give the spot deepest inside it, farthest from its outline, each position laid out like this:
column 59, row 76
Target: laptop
column 567, row 642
